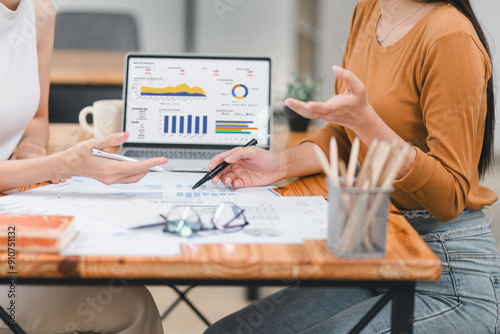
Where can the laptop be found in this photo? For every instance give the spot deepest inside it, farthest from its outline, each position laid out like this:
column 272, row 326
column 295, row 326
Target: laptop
column 189, row 108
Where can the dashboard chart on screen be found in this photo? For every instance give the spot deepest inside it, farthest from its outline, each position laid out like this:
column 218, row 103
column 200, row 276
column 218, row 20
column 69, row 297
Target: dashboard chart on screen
column 197, row 100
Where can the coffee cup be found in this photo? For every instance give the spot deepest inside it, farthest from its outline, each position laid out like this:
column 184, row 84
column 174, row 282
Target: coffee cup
column 106, row 115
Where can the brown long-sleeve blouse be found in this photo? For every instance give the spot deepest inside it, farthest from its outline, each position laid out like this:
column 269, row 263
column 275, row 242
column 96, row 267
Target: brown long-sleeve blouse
column 430, row 88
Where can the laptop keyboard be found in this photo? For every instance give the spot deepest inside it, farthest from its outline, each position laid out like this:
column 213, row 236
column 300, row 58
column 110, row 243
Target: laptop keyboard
column 173, row 153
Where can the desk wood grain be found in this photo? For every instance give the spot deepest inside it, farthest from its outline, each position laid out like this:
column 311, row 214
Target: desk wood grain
column 408, row 257
column 87, row 67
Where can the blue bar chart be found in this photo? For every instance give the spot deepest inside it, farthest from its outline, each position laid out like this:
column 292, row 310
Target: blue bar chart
column 184, row 124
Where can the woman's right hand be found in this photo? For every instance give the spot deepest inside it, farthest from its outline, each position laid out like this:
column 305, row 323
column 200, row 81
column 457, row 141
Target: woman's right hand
column 250, row 167
column 80, row 161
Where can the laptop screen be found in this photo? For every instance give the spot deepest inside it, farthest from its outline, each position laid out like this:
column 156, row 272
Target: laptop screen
column 197, row 100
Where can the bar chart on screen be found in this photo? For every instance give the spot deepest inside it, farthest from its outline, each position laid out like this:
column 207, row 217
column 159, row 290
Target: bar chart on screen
column 185, row 124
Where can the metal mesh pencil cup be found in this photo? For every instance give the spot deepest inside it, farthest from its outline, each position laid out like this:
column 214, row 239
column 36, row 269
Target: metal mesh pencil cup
column 357, row 221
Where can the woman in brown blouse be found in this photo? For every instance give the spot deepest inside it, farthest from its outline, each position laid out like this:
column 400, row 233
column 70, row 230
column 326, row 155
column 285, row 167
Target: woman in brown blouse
column 417, row 72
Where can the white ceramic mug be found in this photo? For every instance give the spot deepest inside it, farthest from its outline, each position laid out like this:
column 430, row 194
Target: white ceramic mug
column 107, row 117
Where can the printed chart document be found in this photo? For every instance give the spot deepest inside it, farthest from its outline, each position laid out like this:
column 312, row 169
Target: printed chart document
column 109, row 212
column 161, row 188
column 271, row 222
column 311, row 215
column 117, row 241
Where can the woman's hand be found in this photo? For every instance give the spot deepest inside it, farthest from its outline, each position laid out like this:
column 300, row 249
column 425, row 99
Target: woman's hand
column 80, row 161
column 350, row 109
column 250, row 167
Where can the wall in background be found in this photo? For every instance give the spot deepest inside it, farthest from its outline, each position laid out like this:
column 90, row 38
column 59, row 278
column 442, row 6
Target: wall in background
column 160, row 23
column 220, row 26
column 334, row 18
column 260, row 27
column 487, row 12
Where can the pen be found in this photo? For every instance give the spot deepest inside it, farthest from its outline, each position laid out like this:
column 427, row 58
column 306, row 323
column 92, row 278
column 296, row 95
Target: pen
column 220, row 167
column 114, row 156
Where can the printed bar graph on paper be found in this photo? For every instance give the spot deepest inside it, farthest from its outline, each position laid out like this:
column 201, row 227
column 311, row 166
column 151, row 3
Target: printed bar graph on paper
column 197, row 124
column 190, row 119
column 205, row 124
column 234, row 127
column 165, row 125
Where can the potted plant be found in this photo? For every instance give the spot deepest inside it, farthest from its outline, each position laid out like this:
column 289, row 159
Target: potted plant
column 301, row 89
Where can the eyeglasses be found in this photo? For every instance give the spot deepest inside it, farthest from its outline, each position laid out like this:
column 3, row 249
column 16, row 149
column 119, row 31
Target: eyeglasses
column 185, row 221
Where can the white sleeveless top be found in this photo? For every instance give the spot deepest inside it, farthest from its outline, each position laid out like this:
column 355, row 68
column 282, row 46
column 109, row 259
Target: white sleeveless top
column 19, row 82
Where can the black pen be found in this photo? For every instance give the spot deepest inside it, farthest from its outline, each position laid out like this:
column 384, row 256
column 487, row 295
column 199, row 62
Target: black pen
column 220, row 167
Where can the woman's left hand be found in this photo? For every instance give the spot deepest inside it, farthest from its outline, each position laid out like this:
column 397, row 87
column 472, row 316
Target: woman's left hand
column 348, row 109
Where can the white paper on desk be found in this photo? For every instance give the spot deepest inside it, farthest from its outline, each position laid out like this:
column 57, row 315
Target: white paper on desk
column 271, row 222
column 125, row 213
column 161, row 188
column 95, row 237
column 122, row 243
column 311, row 215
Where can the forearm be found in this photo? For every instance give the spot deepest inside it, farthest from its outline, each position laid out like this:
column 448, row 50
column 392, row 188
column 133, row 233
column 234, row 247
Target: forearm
column 299, row 161
column 371, row 127
column 19, row 173
column 35, row 137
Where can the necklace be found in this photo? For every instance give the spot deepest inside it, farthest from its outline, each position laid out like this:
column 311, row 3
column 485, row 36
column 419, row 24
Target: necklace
column 381, row 40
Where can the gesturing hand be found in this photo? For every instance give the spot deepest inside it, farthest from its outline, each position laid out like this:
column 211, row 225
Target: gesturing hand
column 348, row 109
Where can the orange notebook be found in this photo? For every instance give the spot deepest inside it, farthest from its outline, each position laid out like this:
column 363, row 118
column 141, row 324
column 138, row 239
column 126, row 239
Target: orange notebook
column 47, row 234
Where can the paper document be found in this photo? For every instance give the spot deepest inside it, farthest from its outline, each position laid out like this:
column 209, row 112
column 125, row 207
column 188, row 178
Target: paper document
column 171, row 188
column 311, row 215
column 106, row 212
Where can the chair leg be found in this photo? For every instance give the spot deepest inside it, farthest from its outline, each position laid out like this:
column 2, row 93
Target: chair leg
column 252, row 293
column 182, row 296
column 6, row 319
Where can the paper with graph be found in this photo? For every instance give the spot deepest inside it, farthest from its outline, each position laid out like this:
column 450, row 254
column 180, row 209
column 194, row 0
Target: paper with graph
column 112, row 210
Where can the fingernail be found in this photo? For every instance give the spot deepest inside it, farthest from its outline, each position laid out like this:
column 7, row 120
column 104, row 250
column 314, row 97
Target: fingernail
column 289, row 103
column 236, row 184
column 227, row 181
column 338, row 69
column 123, row 135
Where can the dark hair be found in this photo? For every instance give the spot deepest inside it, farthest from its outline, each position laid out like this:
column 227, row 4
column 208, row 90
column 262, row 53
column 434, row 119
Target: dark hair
column 486, row 159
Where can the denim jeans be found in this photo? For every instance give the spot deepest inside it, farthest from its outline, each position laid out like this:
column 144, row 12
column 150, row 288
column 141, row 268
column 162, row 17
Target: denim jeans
column 465, row 299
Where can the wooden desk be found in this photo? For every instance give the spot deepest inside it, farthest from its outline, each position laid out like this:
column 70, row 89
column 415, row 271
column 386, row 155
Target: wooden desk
column 408, row 257
column 80, row 77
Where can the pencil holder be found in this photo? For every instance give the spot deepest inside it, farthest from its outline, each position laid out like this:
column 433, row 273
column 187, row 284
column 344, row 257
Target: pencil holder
column 357, row 222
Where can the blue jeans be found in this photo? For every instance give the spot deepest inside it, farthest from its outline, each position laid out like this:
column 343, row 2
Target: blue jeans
column 465, row 299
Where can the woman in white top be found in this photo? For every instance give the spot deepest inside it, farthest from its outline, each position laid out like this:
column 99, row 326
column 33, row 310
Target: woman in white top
column 26, row 41
column 25, row 56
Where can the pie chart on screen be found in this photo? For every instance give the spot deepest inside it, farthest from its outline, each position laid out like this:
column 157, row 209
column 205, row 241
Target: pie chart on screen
column 240, row 91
